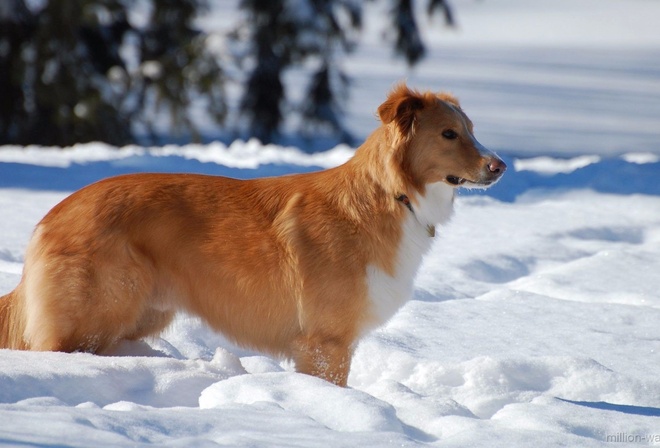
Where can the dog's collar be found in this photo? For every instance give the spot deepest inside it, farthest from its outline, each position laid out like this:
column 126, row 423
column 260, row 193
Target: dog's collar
column 405, row 200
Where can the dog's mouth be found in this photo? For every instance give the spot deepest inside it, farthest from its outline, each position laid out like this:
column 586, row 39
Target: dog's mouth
column 459, row 181
column 455, row 180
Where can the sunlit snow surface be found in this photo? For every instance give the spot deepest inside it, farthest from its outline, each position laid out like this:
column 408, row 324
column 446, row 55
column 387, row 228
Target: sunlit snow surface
column 536, row 316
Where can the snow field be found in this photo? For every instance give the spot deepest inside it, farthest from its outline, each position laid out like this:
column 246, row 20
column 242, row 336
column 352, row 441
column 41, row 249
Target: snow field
column 533, row 320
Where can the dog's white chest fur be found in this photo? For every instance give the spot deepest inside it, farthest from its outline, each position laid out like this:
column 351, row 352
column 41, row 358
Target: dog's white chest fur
column 387, row 293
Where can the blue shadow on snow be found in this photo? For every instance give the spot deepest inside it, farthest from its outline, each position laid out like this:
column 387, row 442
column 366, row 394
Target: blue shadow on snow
column 624, row 408
column 614, row 176
column 76, row 176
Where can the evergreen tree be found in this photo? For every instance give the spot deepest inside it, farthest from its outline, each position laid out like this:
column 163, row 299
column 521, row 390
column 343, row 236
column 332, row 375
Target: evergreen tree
column 65, row 79
column 80, row 70
column 279, row 34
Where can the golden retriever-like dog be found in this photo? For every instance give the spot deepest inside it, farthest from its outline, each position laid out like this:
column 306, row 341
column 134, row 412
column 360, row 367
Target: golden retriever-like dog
column 298, row 266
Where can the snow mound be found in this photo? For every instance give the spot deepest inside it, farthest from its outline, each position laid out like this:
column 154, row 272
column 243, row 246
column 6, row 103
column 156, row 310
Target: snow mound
column 77, row 378
column 347, row 410
column 239, row 154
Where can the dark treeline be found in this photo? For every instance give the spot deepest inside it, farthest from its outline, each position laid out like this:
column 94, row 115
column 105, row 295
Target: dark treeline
column 81, row 70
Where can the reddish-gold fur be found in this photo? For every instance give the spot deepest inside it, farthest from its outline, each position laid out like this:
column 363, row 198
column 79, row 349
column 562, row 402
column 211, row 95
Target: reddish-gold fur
column 278, row 264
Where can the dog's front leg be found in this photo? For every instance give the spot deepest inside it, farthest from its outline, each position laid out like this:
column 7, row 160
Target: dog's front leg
column 325, row 358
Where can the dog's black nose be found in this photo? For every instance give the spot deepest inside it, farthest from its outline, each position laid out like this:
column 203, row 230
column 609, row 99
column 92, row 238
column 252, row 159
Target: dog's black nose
column 496, row 166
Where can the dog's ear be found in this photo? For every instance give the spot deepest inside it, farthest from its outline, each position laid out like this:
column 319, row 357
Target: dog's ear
column 400, row 108
column 449, row 98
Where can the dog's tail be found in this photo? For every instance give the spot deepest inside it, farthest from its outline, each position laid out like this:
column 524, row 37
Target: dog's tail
column 12, row 324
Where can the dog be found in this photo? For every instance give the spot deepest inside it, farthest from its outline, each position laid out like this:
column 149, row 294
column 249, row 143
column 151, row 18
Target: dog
column 298, row 266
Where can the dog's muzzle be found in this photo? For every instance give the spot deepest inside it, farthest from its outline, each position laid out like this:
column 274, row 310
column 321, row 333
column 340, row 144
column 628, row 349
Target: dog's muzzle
column 491, row 173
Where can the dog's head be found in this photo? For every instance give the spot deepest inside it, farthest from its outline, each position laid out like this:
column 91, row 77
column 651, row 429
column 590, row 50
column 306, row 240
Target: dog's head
column 434, row 141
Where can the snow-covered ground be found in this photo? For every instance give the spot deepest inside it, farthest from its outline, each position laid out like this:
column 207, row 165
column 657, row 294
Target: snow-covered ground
column 536, row 318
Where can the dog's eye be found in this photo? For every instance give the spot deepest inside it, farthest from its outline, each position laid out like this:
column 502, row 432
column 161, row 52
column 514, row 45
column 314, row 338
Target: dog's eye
column 450, row 134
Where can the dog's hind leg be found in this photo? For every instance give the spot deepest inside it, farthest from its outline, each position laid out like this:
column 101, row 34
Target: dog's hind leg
column 76, row 303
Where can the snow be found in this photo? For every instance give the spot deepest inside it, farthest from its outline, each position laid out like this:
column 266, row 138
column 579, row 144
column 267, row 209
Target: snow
column 535, row 315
